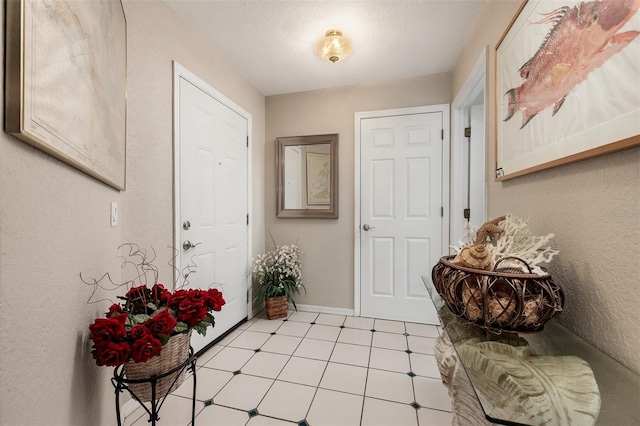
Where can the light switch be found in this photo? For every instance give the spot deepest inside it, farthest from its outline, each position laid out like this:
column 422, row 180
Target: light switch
column 114, row 214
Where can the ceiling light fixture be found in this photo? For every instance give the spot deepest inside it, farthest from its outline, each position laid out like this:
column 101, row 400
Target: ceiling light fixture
column 334, row 46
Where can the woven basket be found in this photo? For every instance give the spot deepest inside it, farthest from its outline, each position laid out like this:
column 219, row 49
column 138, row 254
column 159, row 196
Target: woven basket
column 174, row 353
column 277, row 307
column 505, row 299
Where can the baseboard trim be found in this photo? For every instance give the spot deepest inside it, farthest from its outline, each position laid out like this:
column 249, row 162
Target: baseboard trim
column 323, row 309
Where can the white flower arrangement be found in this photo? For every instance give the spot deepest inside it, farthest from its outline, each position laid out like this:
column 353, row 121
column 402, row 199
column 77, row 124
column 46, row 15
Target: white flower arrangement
column 279, row 272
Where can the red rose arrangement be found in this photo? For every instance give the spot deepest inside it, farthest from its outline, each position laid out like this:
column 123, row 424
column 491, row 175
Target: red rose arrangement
column 137, row 328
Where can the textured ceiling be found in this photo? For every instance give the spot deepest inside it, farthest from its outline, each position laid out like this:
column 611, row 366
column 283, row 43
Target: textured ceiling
column 272, row 42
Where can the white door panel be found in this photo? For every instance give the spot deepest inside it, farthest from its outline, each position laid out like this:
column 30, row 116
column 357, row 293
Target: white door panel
column 401, row 198
column 213, row 199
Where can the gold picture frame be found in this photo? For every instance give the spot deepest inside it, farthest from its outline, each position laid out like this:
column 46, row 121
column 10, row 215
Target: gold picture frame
column 65, row 88
column 561, row 94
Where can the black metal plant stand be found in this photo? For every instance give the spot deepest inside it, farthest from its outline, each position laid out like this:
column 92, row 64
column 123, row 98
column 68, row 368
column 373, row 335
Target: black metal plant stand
column 120, row 383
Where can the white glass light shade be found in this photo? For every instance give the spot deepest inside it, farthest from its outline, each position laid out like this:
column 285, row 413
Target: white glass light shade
column 334, row 46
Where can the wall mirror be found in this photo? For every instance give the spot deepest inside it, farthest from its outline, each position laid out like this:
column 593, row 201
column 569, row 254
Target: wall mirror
column 307, row 176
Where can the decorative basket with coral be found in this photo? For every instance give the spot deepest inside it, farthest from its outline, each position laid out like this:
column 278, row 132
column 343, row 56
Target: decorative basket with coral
column 509, row 294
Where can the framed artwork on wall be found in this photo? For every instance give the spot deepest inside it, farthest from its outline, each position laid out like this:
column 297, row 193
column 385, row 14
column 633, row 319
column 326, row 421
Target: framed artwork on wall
column 567, row 84
column 318, row 179
column 65, row 90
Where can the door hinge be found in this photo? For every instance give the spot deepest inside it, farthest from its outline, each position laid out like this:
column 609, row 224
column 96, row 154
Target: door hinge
column 467, row 213
column 441, row 211
column 442, row 134
column 247, row 141
column 467, row 132
column 247, row 219
column 247, row 296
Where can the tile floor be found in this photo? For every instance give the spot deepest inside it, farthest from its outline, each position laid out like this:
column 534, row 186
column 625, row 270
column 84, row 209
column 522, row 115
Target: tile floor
column 314, row 370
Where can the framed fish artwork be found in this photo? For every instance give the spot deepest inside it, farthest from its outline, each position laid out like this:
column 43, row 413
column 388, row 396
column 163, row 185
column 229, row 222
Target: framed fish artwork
column 567, row 84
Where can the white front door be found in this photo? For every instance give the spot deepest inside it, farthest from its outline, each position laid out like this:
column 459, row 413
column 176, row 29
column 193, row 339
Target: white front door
column 212, row 216
column 400, row 214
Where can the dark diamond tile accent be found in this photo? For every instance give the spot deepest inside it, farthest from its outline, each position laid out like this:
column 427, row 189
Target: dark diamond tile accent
column 208, row 402
column 273, row 333
column 235, row 373
column 313, row 323
column 411, row 374
column 342, row 326
column 257, row 350
column 416, row 405
column 409, row 351
column 405, row 334
column 253, row 413
column 286, row 319
column 303, row 423
column 373, row 330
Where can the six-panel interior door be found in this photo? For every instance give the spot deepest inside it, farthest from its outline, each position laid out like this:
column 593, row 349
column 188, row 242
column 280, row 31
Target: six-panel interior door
column 213, row 203
column 401, row 223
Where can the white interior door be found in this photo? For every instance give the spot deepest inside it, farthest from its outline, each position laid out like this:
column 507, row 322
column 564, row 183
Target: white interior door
column 476, row 187
column 400, row 205
column 213, row 202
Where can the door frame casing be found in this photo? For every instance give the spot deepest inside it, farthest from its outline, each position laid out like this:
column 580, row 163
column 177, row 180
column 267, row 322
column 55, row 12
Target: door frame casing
column 472, row 87
column 181, row 72
column 359, row 116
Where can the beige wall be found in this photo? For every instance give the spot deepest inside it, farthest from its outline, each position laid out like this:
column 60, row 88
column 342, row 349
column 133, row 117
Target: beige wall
column 592, row 206
column 328, row 243
column 54, row 224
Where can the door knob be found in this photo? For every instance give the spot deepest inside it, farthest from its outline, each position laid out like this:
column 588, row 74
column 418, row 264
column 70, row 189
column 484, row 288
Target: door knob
column 188, row 245
column 367, row 227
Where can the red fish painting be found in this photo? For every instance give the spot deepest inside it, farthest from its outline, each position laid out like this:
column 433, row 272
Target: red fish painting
column 582, row 38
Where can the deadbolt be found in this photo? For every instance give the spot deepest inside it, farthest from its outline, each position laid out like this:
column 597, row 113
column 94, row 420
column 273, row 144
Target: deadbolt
column 186, row 225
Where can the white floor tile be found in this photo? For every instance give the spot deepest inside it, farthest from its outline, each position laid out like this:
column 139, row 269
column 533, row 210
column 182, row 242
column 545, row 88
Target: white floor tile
column 390, row 360
column 390, row 386
column 303, row 316
column 424, row 365
column 331, row 408
column 210, row 353
column 389, row 326
column 176, row 411
column 424, row 330
column 329, row 319
column 229, row 337
column 351, row 354
column 359, row 322
column 303, row 371
column 265, row 364
column 377, row 412
column 428, row 417
column 389, row 341
column 268, row 421
column 281, row 344
column 243, row 392
column 208, row 384
column 230, row 359
column 247, row 324
column 344, row 378
column 215, row 415
column 294, row 328
column 250, row 340
column 323, row 332
column 355, row 336
column 287, row 401
column 265, row 325
column 423, row 345
column 316, row 349
column 431, row 393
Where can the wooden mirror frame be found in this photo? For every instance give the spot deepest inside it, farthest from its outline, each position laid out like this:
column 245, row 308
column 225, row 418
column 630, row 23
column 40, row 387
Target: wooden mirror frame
column 327, row 213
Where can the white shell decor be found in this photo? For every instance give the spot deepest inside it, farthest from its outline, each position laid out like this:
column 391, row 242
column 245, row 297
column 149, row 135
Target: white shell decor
column 515, row 240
